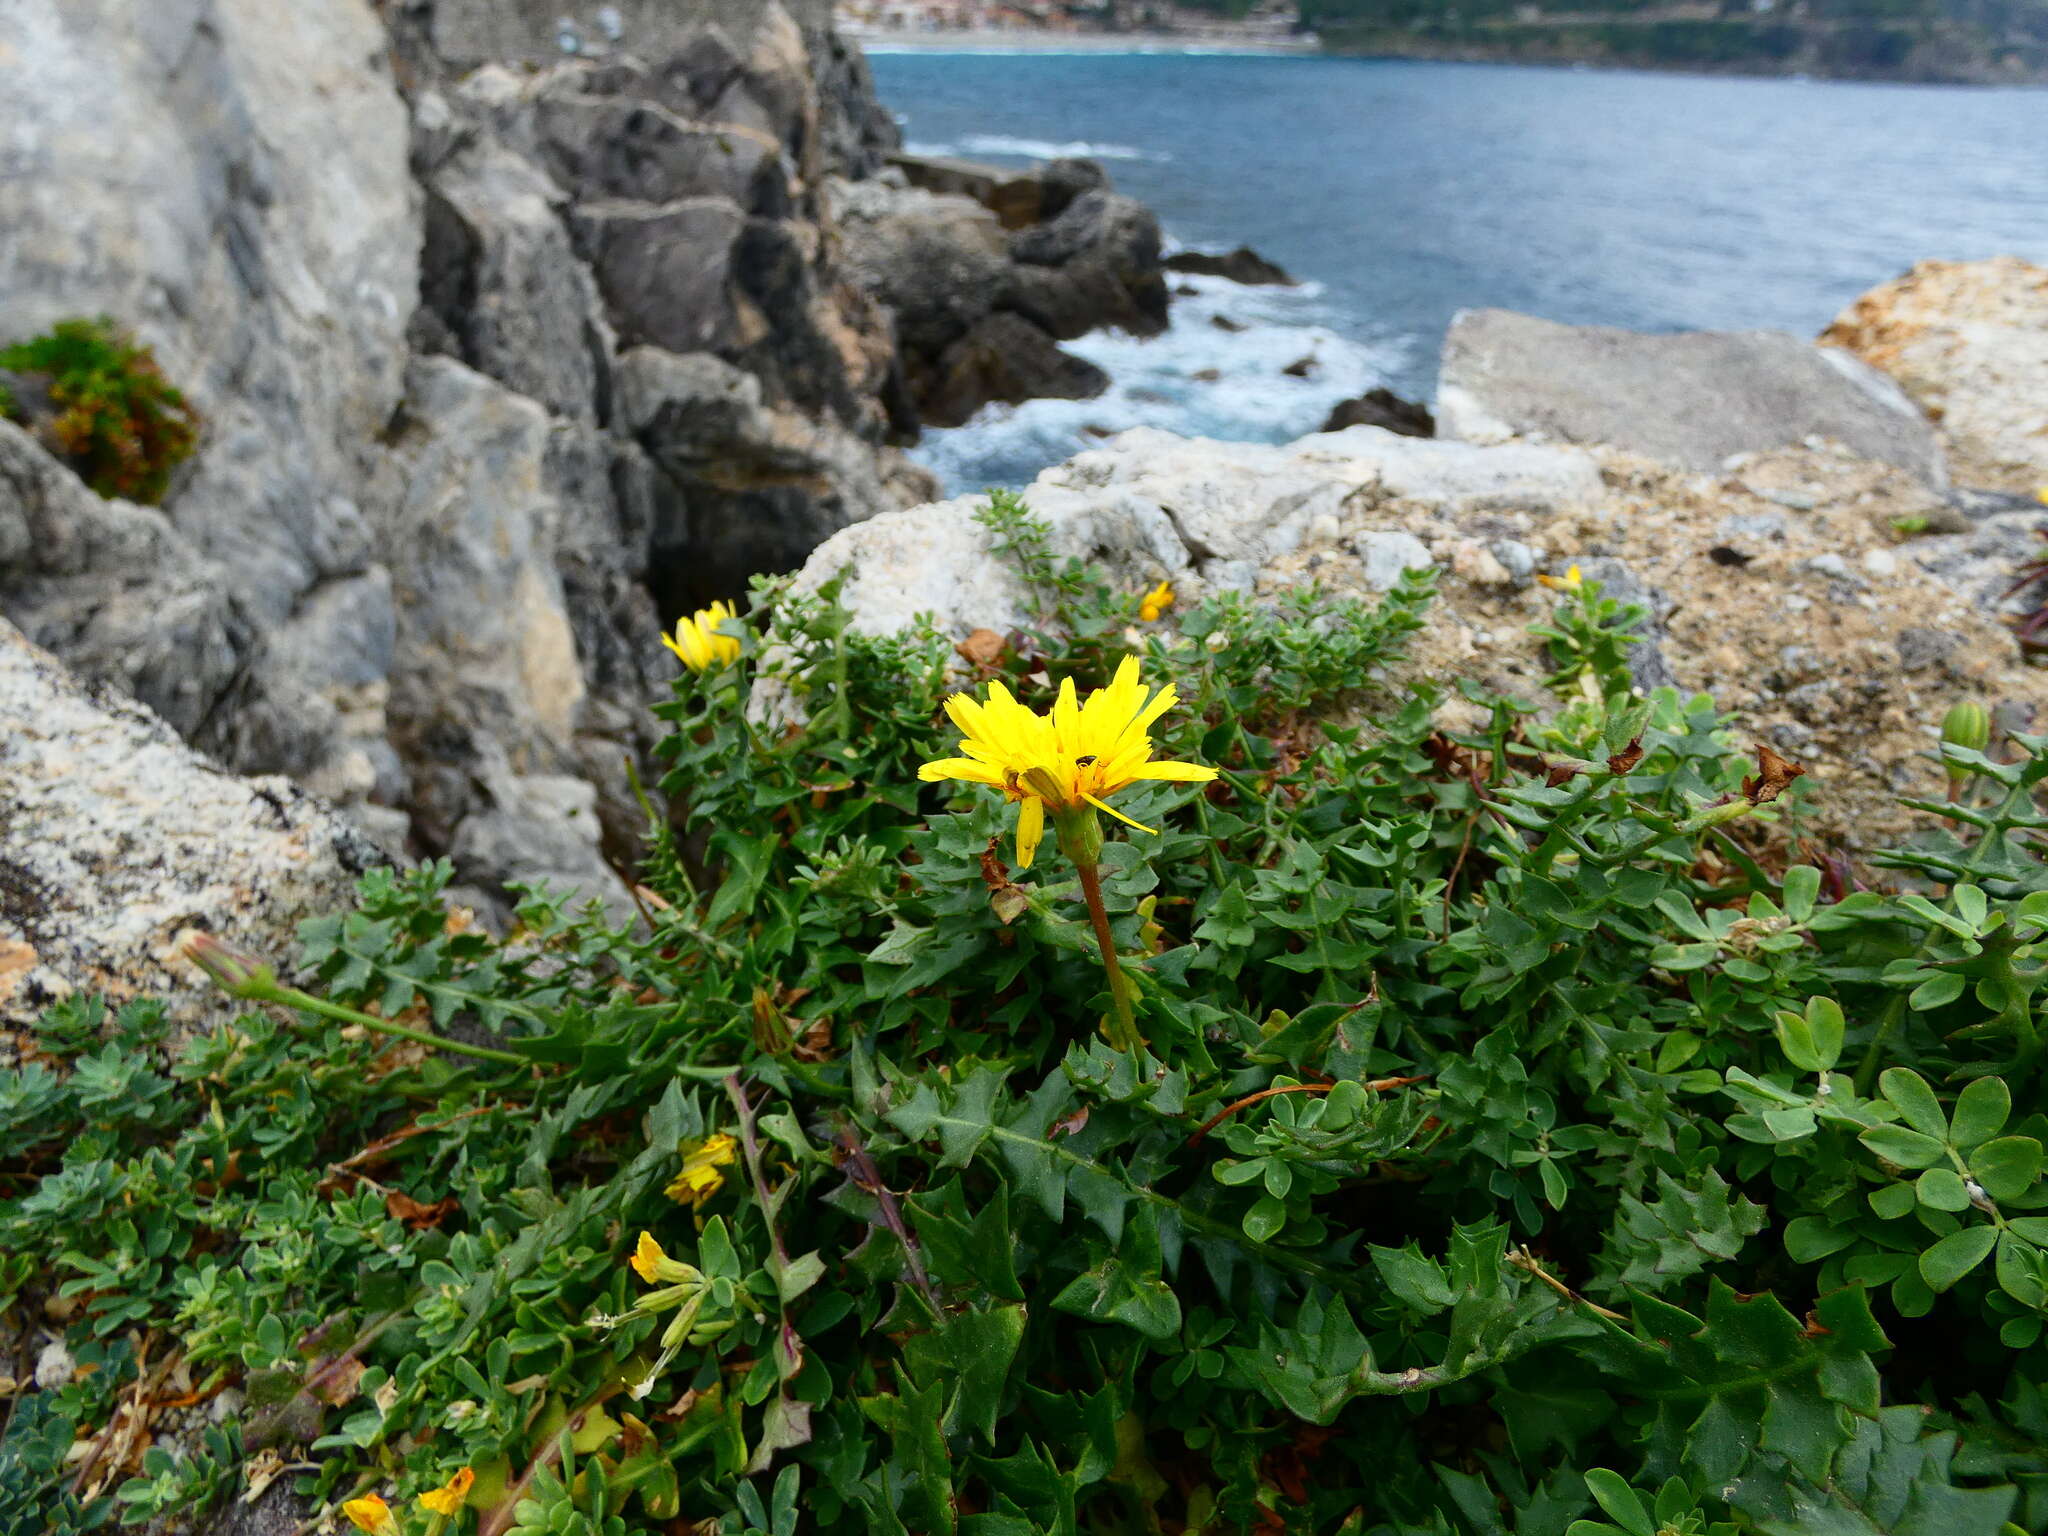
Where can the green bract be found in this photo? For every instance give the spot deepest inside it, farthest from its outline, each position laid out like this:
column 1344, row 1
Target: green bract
column 1518, row 1145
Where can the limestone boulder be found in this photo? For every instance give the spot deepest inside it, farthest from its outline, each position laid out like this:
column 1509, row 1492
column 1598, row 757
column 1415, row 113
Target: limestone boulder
column 1783, row 586
column 1968, row 340
column 937, row 262
column 1149, row 506
column 1692, row 399
column 1104, row 235
column 120, row 839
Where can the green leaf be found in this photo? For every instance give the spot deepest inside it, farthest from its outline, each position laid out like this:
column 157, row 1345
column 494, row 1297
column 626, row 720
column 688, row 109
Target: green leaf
column 2007, row 1167
column 1908, row 1149
column 1942, row 1189
column 1808, row 1239
column 971, row 1352
column 1956, row 1255
column 1800, row 890
column 1908, row 1092
column 1892, row 1201
column 1126, row 1286
column 1981, row 1111
column 1613, row 1494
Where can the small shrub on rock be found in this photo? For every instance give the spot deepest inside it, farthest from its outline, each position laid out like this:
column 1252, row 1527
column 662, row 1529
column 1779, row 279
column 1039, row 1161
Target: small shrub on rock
column 1397, row 1131
column 115, row 418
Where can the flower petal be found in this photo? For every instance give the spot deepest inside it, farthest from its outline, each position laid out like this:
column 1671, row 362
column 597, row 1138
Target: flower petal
column 1178, row 773
column 960, row 768
column 1119, row 815
column 1030, row 829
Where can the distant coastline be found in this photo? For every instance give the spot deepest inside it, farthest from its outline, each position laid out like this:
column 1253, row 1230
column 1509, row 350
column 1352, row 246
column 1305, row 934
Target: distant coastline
column 994, row 40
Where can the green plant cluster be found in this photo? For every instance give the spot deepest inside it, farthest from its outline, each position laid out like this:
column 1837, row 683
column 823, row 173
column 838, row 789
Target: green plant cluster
column 1519, row 1144
column 123, row 426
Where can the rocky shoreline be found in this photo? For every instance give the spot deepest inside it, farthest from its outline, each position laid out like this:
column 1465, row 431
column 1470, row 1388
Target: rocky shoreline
column 508, row 356
column 508, row 359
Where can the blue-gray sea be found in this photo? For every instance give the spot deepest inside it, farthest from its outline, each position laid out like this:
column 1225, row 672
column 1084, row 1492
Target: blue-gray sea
column 1403, row 192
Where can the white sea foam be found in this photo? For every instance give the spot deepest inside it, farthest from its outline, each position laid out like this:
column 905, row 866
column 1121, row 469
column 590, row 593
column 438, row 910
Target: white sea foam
column 1199, row 380
column 1003, row 144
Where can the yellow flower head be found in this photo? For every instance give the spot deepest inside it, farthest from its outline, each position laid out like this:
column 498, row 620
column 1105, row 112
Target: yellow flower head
column 1079, row 754
column 654, row 1266
column 700, row 1178
column 2042, row 495
column 1156, row 602
column 448, row 1498
column 648, row 1258
column 699, row 644
column 370, row 1514
column 1570, row 581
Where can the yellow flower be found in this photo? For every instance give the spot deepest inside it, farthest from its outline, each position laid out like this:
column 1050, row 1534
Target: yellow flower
column 1156, row 602
column 448, row 1498
column 2042, row 495
column 1080, row 754
column 370, row 1514
column 654, row 1266
column 648, row 1258
column 698, row 642
column 1570, row 581
column 700, row 1178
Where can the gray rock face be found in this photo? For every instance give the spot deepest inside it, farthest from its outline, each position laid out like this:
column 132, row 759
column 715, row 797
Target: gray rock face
column 175, row 166
column 120, row 839
column 1692, row 400
column 421, row 561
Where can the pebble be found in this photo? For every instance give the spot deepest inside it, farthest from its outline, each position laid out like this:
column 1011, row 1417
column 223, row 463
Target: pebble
column 1798, row 501
column 1477, row 564
column 1738, row 526
column 1517, row 558
column 1880, row 562
column 1830, row 565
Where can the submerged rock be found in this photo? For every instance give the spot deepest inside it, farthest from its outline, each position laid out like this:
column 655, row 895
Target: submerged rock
column 1381, row 408
column 120, row 839
column 1693, row 399
column 1243, row 265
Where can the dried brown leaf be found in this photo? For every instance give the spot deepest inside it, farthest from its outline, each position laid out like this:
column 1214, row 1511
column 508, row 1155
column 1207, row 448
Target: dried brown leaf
column 1774, row 775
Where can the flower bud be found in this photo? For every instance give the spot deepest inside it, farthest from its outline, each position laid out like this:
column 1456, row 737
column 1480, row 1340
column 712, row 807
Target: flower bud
column 235, row 973
column 1967, row 724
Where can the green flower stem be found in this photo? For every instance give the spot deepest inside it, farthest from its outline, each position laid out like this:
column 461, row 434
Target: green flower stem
column 1081, row 840
column 306, row 1002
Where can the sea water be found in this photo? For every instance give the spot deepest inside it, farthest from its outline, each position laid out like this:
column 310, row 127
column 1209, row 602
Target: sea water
column 1403, row 192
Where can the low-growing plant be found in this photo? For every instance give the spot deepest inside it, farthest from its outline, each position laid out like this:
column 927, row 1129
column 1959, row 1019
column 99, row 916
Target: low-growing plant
column 123, row 426
column 1400, row 1130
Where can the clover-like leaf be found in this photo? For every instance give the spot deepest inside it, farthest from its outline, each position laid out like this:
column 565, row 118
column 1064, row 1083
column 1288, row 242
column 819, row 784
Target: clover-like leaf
column 1981, row 1111
column 1956, row 1255
column 2007, row 1167
column 1908, row 1092
column 1908, row 1149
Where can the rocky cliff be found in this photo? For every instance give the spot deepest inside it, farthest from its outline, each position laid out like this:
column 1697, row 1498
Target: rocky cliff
column 515, row 335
